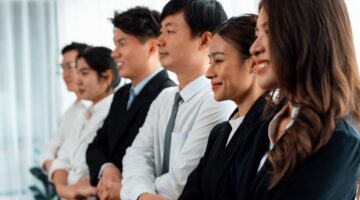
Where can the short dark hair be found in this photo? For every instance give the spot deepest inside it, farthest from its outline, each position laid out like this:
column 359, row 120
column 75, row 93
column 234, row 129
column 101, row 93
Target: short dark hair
column 239, row 32
column 200, row 15
column 79, row 47
column 100, row 60
column 140, row 22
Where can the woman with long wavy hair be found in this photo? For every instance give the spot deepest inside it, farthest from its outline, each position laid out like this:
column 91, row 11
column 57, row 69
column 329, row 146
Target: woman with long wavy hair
column 305, row 49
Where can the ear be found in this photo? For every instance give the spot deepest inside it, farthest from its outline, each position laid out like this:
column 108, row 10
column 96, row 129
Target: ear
column 205, row 40
column 250, row 61
column 108, row 77
column 153, row 46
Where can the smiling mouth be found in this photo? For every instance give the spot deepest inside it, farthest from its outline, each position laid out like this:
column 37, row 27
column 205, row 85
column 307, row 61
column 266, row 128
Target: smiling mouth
column 261, row 67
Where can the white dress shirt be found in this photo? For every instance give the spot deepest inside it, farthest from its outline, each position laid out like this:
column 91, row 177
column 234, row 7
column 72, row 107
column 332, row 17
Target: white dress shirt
column 274, row 123
column 73, row 159
column 234, row 123
column 67, row 123
column 196, row 116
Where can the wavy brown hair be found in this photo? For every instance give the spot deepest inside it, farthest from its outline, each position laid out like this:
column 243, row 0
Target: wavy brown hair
column 312, row 51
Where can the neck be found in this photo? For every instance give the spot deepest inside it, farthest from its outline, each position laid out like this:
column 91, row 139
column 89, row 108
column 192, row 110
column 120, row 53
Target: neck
column 245, row 104
column 193, row 72
column 150, row 68
column 100, row 97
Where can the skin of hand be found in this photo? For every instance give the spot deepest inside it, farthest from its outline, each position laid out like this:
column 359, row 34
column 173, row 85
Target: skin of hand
column 150, row 196
column 47, row 165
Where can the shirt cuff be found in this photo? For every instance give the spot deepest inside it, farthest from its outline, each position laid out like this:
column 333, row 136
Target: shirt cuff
column 56, row 165
column 103, row 168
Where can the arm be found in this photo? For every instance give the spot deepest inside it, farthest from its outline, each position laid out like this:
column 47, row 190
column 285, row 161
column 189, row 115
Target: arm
column 96, row 154
column 192, row 188
column 138, row 162
column 62, row 189
column 50, row 150
column 209, row 114
column 331, row 173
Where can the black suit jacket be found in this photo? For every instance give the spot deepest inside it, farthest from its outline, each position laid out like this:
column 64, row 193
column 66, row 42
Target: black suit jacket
column 121, row 125
column 329, row 174
column 207, row 181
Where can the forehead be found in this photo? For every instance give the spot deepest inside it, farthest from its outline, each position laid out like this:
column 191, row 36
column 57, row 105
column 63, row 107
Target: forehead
column 70, row 55
column 175, row 20
column 262, row 19
column 81, row 63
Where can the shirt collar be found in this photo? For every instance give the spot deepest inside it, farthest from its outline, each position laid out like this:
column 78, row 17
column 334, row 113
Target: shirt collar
column 194, row 87
column 275, row 122
column 137, row 88
column 99, row 106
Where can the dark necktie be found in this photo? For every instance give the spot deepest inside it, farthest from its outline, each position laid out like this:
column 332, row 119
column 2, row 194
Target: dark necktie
column 168, row 132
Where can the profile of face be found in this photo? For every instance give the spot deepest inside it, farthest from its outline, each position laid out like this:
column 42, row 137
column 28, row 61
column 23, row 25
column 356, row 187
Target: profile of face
column 176, row 44
column 91, row 86
column 231, row 77
column 130, row 55
column 69, row 72
column 260, row 50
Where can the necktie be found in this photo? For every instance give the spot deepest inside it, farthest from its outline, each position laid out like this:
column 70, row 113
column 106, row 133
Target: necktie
column 168, row 132
column 131, row 98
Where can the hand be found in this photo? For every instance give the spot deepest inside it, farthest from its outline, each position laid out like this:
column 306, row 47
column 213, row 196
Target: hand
column 111, row 172
column 47, row 165
column 150, row 196
column 84, row 188
column 68, row 192
column 109, row 189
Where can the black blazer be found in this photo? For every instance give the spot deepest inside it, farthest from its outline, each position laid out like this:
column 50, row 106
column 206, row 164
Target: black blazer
column 121, row 125
column 207, row 181
column 329, row 174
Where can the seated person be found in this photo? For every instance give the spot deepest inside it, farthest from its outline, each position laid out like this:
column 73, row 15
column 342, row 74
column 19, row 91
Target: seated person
column 173, row 138
column 230, row 61
column 68, row 64
column 49, row 152
column 137, row 57
column 98, row 76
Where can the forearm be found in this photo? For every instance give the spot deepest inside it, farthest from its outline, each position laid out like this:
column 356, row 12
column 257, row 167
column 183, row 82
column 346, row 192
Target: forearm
column 60, row 177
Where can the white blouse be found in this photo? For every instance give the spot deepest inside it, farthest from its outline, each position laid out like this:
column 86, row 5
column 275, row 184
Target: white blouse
column 273, row 126
column 72, row 158
column 67, row 123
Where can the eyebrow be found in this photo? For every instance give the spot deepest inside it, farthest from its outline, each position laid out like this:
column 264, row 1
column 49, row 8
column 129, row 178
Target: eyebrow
column 213, row 54
column 120, row 39
column 170, row 24
column 81, row 68
column 263, row 25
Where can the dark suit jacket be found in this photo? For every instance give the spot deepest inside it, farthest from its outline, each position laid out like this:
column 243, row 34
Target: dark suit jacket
column 329, row 174
column 121, row 125
column 207, row 181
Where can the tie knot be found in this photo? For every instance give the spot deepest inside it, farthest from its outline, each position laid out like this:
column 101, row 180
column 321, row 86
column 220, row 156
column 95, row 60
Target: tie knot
column 88, row 113
column 178, row 98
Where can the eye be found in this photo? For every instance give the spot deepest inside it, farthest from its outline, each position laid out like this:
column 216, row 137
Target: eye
column 218, row 61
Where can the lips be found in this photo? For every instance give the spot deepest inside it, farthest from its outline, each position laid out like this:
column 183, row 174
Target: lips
column 163, row 54
column 215, row 85
column 119, row 64
column 261, row 67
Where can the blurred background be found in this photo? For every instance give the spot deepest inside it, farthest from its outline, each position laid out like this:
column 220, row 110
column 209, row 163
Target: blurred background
column 32, row 93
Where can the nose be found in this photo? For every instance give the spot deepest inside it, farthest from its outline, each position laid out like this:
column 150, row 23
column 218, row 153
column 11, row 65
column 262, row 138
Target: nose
column 210, row 74
column 161, row 41
column 257, row 48
column 115, row 53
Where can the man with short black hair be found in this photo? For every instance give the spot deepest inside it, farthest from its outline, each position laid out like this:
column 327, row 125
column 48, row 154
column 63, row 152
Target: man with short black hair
column 173, row 138
column 136, row 54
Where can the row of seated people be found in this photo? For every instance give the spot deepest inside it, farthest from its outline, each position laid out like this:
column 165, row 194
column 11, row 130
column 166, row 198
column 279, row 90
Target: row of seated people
column 275, row 115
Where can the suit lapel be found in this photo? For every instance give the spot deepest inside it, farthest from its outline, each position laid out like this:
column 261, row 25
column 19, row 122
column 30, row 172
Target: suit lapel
column 144, row 96
column 239, row 140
